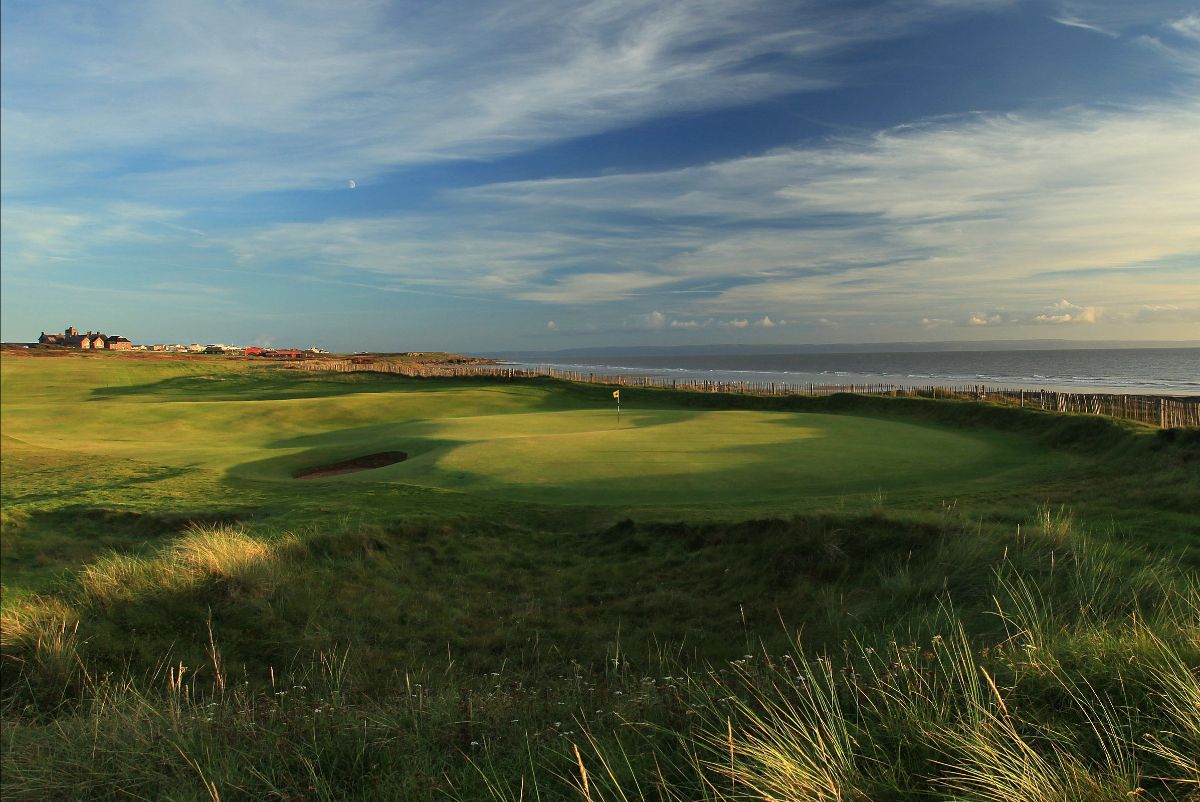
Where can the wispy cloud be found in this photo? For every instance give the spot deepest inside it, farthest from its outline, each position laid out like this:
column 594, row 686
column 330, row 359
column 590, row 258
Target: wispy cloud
column 932, row 217
column 1115, row 17
column 36, row 235
column 241, row 97
column 1072, row 22
column 939, row 212
column 1188, row 26
column 1178, row 41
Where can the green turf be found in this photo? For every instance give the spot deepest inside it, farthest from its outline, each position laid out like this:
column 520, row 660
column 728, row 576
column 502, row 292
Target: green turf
column 534, row 570
column 165, row 428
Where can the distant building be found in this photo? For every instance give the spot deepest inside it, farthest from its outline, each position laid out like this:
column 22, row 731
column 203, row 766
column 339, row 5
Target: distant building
column 253, row 350
column 91, row 341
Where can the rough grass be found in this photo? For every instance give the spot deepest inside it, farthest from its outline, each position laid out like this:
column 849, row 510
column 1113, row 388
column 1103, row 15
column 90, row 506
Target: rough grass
column 1062, row 703
column 204, row 554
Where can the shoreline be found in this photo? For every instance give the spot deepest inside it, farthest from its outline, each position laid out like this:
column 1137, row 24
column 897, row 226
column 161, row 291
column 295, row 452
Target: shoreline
column 801, row 379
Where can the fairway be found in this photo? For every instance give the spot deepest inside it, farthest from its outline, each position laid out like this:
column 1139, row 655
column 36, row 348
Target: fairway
column 185, row 432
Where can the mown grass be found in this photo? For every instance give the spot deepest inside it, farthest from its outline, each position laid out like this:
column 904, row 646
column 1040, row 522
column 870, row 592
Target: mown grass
column 178, row 623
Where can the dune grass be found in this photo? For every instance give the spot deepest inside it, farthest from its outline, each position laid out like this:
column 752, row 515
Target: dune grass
column 1079, row 692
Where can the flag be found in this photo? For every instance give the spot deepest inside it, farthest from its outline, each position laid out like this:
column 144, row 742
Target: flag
column 617, row 394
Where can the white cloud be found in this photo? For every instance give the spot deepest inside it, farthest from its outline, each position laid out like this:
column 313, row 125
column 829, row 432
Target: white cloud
column 1188, row 26
column 552, row 325
column 765, row 323
column 984, row 320
column 1066, row 312
column 1072, row 22
column 651, row 321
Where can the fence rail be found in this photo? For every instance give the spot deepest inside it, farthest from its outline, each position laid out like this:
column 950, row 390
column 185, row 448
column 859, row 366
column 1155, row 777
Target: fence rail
column 1162, row 411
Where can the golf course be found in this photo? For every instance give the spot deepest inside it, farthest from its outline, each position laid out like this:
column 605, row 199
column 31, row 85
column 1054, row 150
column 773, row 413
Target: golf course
column 536, row 444
column 494, row 589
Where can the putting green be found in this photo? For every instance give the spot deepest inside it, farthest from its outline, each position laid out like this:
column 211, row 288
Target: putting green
column 184, row 431
column 666, row 456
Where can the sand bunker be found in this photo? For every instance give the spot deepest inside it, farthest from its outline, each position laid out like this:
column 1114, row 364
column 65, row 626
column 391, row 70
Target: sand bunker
column 367, row 463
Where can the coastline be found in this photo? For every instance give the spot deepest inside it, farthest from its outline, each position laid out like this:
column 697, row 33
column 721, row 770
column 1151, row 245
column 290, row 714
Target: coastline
column 794, row 378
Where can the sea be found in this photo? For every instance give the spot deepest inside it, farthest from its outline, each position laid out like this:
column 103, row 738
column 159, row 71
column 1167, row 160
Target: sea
column 1135, row 371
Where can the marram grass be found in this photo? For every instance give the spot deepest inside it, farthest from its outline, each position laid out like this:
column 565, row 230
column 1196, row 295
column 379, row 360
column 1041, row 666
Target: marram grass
column 1067, row 706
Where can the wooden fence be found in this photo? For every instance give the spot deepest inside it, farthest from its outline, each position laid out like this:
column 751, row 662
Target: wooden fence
column 1155, row 410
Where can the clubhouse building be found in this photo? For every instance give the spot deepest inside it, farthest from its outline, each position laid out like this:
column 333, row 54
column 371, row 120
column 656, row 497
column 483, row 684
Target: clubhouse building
column 93, row 340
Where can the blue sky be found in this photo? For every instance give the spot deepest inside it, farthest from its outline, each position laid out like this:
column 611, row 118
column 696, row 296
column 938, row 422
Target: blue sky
column 541, row 175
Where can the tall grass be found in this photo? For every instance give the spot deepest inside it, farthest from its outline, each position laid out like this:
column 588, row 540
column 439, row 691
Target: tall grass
column 1077, row 704
column 1086, row 690
column 995, row 724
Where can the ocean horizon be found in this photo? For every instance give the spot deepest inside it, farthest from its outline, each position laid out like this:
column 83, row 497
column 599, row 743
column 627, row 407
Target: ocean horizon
column 1137, row 371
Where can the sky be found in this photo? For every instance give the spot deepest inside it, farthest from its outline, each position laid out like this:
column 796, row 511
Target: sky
column 540, row 175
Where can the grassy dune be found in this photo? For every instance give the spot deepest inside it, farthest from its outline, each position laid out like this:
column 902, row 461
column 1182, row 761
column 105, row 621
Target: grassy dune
column 720, row 598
